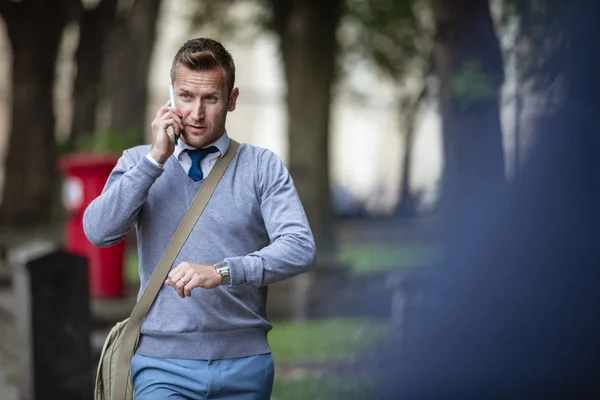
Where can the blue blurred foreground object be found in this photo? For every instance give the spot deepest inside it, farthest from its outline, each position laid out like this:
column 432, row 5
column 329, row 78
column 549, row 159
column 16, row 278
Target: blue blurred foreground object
column 520, row 317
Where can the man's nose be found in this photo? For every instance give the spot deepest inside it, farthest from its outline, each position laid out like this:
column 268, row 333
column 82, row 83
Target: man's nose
column 198, row 112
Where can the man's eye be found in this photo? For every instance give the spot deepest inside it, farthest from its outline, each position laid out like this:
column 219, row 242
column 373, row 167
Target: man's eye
column 185, row 96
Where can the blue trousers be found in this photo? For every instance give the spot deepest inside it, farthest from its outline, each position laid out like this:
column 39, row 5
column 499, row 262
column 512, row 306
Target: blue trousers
column 245, row 378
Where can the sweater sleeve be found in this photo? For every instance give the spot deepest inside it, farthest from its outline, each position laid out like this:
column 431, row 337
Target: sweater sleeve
column 292, row 247
column 109, row 217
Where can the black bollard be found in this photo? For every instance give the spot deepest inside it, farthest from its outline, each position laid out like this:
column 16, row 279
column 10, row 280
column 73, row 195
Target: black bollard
column 52, row 315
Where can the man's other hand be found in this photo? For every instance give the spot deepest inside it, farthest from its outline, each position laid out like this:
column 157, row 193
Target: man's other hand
column 187, row 276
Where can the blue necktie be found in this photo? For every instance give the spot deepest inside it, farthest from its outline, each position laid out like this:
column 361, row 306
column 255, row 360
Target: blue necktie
column 195, row 171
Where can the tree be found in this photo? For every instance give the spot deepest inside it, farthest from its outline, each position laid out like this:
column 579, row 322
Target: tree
column 467, row 60
column 35, row 29
column 537, row 53
column 407, row 206
column 94, row 26
column 131, row 45
column 307, row 32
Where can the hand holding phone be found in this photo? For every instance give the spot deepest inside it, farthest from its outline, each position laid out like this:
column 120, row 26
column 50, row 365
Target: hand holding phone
column 163, row 142
column 172, row 97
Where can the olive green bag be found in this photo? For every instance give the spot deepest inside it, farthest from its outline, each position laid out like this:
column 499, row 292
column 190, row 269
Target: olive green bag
column 113, row 378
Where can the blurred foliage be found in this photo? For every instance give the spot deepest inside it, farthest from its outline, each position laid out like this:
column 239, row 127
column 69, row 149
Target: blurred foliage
column 131, row 272
column 349, row 388
column 326, row 340
column 387, row 32
column 366, row 258
column 238, row 20
column 104, row 141
column 472, row 85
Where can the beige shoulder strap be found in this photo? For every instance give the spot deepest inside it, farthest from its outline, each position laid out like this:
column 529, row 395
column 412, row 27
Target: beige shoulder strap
column 132, row 330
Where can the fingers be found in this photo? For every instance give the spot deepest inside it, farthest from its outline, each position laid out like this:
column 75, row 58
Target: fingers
column 187, row 276
column 194, row 282
column 162, row 142
column 177, row 273
column 170, row 116
column 174, row 279
column 169, row 111
column 179, row 286
column 168, row 107
column 174, row 122
column 162, row 110
column 183, row 279
column 187, row 289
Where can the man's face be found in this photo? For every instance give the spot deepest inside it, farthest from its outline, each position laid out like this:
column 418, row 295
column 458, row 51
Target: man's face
column 202, row 98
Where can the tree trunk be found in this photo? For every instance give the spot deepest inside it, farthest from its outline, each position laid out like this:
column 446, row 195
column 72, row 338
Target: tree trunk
column 517, row 128
column 94, row 25
column 132, row 44
column 35, row 29
column 407, row 206
column 308, row 44
column 468, row 63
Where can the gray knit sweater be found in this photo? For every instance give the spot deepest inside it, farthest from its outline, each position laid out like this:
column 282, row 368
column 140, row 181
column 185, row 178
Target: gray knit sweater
column 254, row 221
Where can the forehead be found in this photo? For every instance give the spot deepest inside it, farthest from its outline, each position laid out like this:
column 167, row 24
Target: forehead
column 205, row 80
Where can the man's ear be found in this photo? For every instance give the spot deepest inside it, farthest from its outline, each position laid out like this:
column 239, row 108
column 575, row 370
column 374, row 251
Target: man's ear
column 233, row 99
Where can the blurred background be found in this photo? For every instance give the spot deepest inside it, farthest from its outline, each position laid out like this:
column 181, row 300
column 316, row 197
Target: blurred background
column 444, row 152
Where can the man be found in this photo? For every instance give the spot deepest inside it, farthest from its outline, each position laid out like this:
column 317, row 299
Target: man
column 206, row 333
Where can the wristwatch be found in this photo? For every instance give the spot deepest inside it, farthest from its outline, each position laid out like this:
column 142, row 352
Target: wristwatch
column 223, row 269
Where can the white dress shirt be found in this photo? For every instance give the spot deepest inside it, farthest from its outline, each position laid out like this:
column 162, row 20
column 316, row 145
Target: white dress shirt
column 206, row 164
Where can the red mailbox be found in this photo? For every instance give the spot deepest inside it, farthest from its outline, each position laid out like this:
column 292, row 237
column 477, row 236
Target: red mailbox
column 84, row 178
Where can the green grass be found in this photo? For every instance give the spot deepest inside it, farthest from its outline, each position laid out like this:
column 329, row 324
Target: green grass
column 370, row 257
column 131, row 268
column 325, row 389
column 323, row 340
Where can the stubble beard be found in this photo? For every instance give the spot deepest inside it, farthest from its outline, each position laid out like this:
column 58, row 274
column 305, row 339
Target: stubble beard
column 200, row 141
column 207, row 137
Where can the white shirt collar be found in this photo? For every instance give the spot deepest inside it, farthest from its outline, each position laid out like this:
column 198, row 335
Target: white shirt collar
column 222, row 144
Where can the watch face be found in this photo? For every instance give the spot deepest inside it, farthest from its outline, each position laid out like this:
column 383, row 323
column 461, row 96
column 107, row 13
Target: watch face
column 223, row 270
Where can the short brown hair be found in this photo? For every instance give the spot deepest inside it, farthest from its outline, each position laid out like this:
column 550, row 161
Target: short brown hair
column 202, row 54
